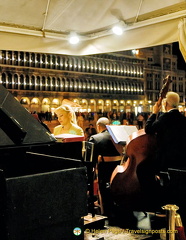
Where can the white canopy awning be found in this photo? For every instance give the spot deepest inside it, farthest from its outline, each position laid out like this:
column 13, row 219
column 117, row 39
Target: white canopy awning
column 45, row 25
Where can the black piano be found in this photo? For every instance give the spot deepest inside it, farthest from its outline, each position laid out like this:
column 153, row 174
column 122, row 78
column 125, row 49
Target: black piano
column 43, row 183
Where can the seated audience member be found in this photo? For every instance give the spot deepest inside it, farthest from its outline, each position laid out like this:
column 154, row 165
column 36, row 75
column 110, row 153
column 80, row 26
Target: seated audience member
column 36, row 116
column 89, row 131
column 80, row 119
column 170, row 130
column 107, row 157
column 67, row 119
column 140, row 121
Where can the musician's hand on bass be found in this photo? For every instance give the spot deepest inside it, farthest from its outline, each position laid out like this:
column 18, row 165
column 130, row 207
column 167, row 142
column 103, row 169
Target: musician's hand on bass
column 156, row 108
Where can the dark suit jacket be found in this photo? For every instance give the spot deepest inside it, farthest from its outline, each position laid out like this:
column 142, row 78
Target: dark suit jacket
column 170, row 129
column 103, row 145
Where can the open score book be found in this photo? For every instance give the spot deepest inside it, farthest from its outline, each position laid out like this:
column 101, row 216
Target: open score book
column 120, row 133
column 66, row 137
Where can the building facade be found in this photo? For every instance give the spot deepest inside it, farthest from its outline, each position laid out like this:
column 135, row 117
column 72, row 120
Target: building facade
column 161, row 62
column 127, row 81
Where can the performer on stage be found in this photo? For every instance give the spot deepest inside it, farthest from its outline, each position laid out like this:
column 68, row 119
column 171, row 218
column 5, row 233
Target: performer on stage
column 108, row 157
column 170, row 129
column 67, row 119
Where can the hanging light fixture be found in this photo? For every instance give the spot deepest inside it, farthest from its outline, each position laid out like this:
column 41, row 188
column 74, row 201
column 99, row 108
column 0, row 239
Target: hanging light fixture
column 117, row 30
column 73, row 39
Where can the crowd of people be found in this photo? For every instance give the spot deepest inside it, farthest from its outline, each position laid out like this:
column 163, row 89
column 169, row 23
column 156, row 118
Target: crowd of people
column 83, row 119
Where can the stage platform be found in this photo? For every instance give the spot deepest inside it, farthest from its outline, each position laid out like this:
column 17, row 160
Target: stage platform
column 97, row 228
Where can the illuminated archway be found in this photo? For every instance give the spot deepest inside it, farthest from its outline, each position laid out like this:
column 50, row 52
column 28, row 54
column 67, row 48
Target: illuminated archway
column 121, row 105
column 128, row 106
column 25, row 102
column 45, row 105
column 100, row 107
column 92, row 105
column 108, row 105
column 35, row 105
column 55, row 102
column 84, row 105
column 115, row 105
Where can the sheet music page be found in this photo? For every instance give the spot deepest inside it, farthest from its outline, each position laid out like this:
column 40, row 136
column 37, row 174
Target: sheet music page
column 120, row 133
column 130, row 129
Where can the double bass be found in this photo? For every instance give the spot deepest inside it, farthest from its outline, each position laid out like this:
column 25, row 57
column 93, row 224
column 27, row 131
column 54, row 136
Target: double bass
column 133, row 183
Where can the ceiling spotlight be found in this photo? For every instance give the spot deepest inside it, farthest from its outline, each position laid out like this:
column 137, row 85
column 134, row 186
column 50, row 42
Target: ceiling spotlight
column 117, row 30
column 74, row 39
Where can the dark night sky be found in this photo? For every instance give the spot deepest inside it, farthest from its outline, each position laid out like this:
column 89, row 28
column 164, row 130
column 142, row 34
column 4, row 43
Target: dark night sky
column 181, row 62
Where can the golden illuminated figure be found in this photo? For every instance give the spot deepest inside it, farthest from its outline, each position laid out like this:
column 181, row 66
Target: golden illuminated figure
column 67, row 119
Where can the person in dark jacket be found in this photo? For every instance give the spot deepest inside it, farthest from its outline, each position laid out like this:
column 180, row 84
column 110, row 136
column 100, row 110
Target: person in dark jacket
column 89, row 131
column 107, row 157
column 170, row 129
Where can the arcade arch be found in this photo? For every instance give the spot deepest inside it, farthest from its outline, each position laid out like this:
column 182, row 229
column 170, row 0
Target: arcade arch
column 76, row 101
column 25, row 101
column 100, row 107
column 35, row 105
column 54, row 104
column 45, row 106
column 84, row 105
column 121, row 105
column 115, row 105
column 108, row 106
column 92, row 105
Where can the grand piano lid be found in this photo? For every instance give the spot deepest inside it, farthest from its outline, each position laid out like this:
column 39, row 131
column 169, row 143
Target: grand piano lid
column 17, row 125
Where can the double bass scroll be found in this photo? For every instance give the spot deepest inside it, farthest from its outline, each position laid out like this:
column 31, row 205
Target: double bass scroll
column 164, row 89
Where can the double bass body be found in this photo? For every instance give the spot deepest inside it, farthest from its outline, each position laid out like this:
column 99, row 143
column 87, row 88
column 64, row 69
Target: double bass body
column 133, row 183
